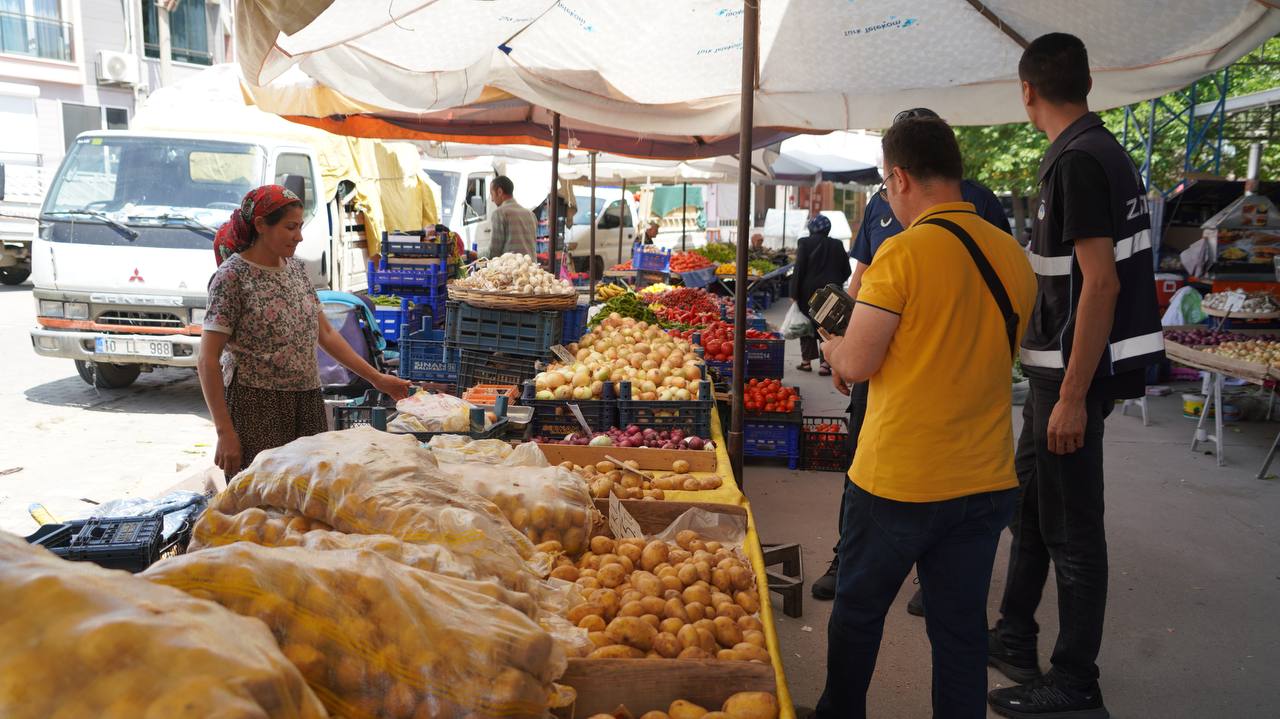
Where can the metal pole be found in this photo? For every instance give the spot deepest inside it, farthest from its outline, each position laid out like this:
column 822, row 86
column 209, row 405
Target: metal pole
column 622, row 205
column 786, row 205
column 684, row 214
column 750, row 54
column 591, row 256
column 553, row 203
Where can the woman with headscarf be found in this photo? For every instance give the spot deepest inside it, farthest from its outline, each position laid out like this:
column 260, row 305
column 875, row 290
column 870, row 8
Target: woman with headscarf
column 263, row 391
column 820, row 260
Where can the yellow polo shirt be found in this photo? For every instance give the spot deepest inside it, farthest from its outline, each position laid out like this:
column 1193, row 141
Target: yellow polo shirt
column 938, row 422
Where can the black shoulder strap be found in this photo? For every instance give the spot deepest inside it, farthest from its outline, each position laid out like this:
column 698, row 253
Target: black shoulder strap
column 1011, row 319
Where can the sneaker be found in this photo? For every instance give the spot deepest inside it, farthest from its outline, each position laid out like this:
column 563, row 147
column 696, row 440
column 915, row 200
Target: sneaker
column 1048, row 698
column 915, row 605
column 825, row 587
column 1020, row 666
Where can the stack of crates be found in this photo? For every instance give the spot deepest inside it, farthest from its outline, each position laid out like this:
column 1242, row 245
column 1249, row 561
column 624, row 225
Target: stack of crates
column 553, row 419
column 424, row 356
column 415, row 267
column 503, row 346
column 773, row 435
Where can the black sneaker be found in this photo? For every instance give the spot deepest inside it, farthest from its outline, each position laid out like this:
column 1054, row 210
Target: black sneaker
column 825, row 587
column 915, row 605
column 1048, row 698
column 1020, row 666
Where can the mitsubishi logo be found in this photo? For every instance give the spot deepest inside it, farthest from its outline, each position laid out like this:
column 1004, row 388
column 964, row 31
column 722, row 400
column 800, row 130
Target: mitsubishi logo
column 136, row 277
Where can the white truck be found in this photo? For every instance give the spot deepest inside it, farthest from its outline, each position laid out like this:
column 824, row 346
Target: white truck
column 124, row 252
column 20, row 192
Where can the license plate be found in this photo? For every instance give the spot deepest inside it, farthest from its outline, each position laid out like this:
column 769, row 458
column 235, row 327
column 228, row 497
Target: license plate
column 133, row 347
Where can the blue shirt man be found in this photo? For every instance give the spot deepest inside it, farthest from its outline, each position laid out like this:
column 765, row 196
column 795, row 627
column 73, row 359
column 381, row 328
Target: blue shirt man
column 879, row 224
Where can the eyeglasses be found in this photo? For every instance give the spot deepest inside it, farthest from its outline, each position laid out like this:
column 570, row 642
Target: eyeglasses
column 884, row 186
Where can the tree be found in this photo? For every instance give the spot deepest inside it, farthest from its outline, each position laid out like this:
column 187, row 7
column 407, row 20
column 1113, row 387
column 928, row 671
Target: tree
column 1005, row 158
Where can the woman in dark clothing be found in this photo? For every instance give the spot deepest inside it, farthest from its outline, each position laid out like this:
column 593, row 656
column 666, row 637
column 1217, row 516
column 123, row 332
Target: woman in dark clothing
column 820, row 260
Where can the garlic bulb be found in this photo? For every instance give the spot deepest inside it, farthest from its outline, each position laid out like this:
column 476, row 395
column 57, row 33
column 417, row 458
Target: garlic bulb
column 515, row 273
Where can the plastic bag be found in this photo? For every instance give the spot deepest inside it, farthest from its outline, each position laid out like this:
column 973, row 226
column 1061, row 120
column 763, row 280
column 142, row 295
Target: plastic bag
column 548, row 504
column 431, row 412
column 377, row 639
column 795, row 325
column 79, row 641
column 458, row 449
column 1184, row 308
column 363, row 481
column 179, row 507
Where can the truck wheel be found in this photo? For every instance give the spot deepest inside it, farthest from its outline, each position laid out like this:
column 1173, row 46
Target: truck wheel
column 108, row 376
column 14, row 274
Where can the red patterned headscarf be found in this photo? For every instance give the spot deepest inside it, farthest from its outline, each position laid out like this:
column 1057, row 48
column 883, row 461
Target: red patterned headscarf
column 236, row 234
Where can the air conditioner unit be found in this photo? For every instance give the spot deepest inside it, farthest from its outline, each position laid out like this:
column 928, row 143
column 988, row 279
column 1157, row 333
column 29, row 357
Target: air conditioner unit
column 118, row 68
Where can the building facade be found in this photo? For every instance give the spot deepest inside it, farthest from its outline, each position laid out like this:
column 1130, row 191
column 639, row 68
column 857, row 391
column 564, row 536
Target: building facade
column 68, row 66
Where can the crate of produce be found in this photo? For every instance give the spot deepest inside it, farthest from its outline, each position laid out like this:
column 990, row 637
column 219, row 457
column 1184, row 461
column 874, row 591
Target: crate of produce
column 390, row 317
column 755, row 320
column 481, row 367
column 419, row 280
column 648, row 257
column 553, row 419
column 377, row 409
column 420, row 244
column 493, row 330
column 487, row 394
column 824, row 444
column 771, row 440
column 693, row 417
column 425, row 357
column 765, row 359
column 573, row 324
column 128, row 543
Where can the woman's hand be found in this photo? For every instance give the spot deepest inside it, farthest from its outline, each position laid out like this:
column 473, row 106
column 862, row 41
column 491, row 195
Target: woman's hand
column 228, row 456
column 392, row 386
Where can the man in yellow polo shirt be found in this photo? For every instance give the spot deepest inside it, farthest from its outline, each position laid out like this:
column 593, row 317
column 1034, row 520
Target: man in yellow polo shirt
column 939, row 315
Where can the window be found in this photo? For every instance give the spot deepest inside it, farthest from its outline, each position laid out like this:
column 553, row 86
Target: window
column 188, row 32
column 85, row 118
column 610, row 218
column 34, row 27
column 448, row 182
column 477, row 200
column 585, row 212
column 291, row 163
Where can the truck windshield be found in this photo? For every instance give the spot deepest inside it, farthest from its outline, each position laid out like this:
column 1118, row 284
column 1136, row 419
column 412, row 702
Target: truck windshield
column 145, row 182
column 448, row 182
column 586, row 213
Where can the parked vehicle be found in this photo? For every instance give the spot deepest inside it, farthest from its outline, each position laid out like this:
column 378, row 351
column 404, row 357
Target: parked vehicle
column 20, row 192
column 611, row 211
column 124, row 251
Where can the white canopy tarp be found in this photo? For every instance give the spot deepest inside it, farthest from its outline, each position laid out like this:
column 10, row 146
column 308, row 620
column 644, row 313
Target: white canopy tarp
column 824, row 65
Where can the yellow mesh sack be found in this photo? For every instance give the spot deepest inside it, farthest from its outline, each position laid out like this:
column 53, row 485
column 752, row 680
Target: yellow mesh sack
column 79, row 641
column 547, row 504
column 376, row 639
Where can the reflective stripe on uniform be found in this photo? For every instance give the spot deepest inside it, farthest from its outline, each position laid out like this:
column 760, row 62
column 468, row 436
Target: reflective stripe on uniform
column 1130, row 246
column 1050, row 266
column 1049, row 359
column 1137, row 346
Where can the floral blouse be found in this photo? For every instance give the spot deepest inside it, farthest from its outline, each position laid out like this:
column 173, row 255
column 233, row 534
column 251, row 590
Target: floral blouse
column 273, row 317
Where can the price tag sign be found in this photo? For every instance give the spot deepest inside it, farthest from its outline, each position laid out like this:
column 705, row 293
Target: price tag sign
column 577, row 414
column 621, row 523
column 563, row 354
column 1235, row 301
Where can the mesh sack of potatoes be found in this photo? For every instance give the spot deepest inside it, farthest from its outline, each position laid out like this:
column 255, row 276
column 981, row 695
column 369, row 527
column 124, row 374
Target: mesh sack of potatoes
column 689, row 599
column 363, row 481
column 376, row 639
column 547, row 504
column 80, row 641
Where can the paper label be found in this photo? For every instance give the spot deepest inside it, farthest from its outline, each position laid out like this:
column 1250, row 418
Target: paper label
column 577, row 414
column 563, row 354
column 621, row 523
column 1235, row 301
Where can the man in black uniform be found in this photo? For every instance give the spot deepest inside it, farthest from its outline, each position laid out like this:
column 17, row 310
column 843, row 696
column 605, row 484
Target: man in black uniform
column 1094, row 331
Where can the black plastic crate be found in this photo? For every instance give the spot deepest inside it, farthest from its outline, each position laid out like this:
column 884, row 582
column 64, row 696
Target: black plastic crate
column 693, row 417
column 376, row 409
column 478, row 367
column 128, row 543
column 414, row 244
column 480, row 328
column 825, row 451
column 553, row 419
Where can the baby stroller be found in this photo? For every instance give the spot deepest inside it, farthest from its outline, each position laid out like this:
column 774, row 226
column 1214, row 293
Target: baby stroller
column 353, row 317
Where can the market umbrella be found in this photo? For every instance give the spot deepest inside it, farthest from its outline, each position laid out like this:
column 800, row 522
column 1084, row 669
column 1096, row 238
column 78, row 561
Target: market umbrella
column 712, row 69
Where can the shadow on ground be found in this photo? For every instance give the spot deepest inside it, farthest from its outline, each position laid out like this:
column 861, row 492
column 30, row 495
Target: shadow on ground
column 158, row 392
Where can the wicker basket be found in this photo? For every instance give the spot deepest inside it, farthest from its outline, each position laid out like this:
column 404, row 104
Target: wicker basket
column 510, row 301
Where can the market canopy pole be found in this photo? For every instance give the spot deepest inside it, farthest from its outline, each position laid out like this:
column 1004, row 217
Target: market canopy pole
column 684, row 214
column 591, row 256
column 553, row 202
column 750, row 54
column 622, row 205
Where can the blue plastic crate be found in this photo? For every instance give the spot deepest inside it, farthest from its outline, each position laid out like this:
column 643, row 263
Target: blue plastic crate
column 424, row 357
column 421, row 280
column 766, row 359
column 773, row 440
column 574, row 324
column 481, row 328
column 552, row 418
column 410, row 313
column 755, row 320
column 693, row 417
column 654, row 260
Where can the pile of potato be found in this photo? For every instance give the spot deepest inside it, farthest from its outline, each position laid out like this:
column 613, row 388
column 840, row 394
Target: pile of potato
column 546, row 504
column 607, row 478
column 80, row 641
column 376, row 639
column 691, row 599
column 743, row 705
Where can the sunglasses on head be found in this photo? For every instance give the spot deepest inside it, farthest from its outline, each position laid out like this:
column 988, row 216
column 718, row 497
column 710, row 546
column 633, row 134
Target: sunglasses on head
column 913, row 113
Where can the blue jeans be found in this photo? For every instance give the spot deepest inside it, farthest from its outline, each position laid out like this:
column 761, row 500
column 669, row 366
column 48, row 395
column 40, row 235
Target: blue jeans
column 953, row 544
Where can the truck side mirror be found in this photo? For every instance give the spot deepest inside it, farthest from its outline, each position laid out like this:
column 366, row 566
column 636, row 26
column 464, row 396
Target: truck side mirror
column 609, row 222
column 297, row 184
column 1, row 181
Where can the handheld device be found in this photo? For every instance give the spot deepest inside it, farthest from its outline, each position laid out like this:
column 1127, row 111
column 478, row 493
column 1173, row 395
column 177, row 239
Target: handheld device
column 830, row 307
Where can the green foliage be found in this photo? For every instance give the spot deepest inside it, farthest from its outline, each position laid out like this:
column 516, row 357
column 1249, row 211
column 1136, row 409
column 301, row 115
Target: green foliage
column 1003, row 157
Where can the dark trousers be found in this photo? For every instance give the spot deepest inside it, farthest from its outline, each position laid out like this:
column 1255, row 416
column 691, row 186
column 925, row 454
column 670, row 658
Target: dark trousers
column 1059, row 518
column 953, row 544
column 857, row 414
column 809, row 349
